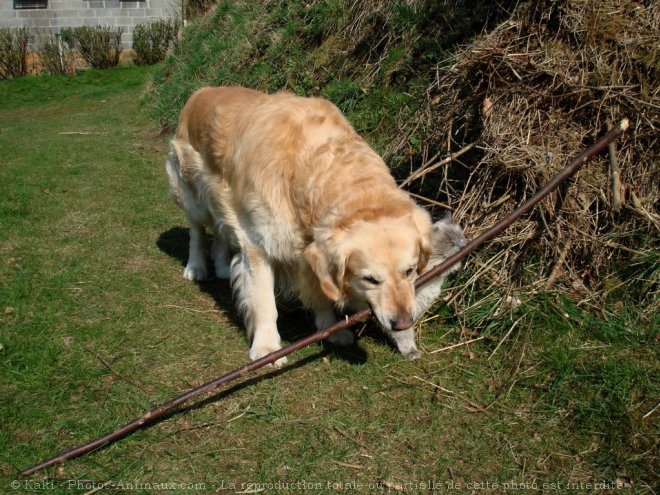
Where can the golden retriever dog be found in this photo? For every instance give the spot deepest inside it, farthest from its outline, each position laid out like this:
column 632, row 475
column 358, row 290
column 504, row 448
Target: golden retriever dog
column 299, row 204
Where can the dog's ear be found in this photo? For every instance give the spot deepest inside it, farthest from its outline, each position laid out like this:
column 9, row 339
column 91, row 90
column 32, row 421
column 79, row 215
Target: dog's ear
column 447, row 217
column 424, row 254
column 329, row 271
column 422, row 221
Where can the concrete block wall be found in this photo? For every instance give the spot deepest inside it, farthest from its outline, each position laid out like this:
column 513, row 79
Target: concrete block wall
column 71, row 13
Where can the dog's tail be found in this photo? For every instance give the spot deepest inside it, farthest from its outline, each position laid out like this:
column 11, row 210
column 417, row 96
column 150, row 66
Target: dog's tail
column 173, row 167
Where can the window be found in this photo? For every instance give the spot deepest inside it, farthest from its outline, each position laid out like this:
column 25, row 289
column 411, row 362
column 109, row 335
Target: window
column 30, row 4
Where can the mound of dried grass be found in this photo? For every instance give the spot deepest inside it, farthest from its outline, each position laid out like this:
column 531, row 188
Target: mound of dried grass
column 531, row 94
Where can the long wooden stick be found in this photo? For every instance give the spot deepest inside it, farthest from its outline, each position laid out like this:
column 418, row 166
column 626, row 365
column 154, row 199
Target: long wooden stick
column 158, row 412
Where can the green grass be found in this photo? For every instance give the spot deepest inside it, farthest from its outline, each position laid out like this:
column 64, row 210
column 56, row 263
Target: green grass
column 91, row 254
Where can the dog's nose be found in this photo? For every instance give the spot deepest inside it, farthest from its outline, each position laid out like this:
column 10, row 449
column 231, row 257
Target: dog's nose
column 402, row 323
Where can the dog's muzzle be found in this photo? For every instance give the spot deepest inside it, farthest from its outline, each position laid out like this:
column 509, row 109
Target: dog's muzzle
column 402, row 323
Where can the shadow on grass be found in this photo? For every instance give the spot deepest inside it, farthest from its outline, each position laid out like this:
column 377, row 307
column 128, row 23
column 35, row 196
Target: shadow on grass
column 293, row 322
column 273, row 373
column 184, row 409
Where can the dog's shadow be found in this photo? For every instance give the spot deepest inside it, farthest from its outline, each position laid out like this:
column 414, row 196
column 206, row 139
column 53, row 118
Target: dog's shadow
column 293, row 322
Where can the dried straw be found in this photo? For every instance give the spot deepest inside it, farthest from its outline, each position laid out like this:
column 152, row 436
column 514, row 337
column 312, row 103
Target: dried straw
column 530, row 93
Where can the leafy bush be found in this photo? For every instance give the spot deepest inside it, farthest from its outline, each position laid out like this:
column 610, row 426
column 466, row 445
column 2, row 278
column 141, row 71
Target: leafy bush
column 99, row 46
column 13, row 50
column 151, row 41
column 53, row 57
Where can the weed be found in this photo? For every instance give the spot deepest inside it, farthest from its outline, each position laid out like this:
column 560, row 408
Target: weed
column 345, row 94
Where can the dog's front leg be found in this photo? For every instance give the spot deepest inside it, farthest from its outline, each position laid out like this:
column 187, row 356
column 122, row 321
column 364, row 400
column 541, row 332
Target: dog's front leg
column 221, row 253
column 324, row 316
column 405, row 342
column 254, row 284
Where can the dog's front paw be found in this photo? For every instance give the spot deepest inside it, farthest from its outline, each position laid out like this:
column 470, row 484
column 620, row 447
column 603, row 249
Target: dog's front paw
column 222, row 271
column 412, row 354
column 194, row 271
column 343, row 338
column 405, row 342
column 257, row 352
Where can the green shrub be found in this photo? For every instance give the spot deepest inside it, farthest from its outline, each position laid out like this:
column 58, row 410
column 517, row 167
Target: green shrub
column 99, row 46
column 13, row 51
column 53, row 56
column 151, row 41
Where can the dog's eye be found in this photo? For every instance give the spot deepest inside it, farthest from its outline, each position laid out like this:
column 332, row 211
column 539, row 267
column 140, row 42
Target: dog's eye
column 410, row 271
column 371, row 280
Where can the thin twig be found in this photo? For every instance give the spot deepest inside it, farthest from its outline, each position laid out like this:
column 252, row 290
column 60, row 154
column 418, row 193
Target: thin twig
column 99, row 488
column 449, row 347
column 651, row 411
column 497, row 202
column 471, row 403
column 505, row 337
column 346, row 435
column 615, row 174
column 239, row 415
column 352, row 466
column 431, row 201
column 427, row 168
column 105, row 363
column 191, row 310
column 556, row 271
column 83, row 133
column 638, row 208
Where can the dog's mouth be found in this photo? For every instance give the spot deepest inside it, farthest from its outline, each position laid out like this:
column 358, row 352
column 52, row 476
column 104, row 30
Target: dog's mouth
column 385, row 321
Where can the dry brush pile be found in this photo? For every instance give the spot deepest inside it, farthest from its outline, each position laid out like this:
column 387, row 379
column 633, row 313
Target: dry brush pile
column 521, row 101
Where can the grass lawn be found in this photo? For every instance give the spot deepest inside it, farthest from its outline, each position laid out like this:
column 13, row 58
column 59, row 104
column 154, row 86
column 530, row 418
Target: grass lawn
column 97, row 326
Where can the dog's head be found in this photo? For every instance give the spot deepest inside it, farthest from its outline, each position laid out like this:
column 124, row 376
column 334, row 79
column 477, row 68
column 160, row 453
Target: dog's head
column 374, row 264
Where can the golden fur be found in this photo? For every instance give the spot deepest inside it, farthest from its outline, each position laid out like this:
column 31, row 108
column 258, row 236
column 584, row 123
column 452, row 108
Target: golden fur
column 296, row 198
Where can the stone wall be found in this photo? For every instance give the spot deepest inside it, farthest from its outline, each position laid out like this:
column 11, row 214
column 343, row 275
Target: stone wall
column 70, row 13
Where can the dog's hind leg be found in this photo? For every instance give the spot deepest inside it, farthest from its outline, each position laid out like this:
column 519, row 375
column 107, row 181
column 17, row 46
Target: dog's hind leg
column 196, row 268
column 182, row 161
column 253, row 282
column 344, row 337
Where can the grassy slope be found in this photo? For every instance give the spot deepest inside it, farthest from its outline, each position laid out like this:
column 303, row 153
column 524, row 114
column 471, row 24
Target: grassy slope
column 92, row 252
column 373, row 59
